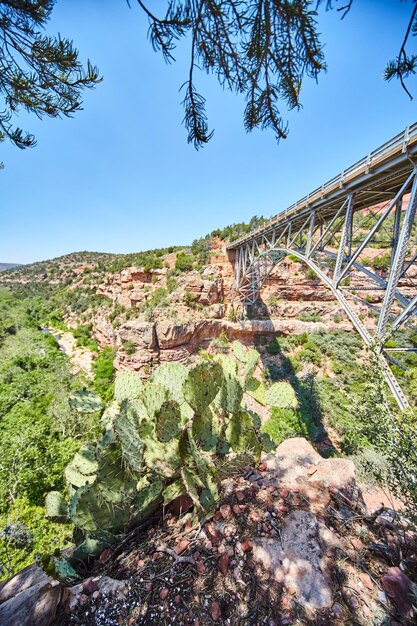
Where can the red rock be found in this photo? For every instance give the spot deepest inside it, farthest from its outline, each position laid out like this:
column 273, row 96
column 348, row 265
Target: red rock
column 89, row 586
column 225, row 511
column 215, row 611
column 200, row 567
column 217, row 516
column 311, row 470
column 398, row 586
column 223, row 564
column 265, row 528
column 366, row 580
column 148, row 586
column 181, row 546
column 180, row 505
column 104, row 556
column 240, row 496
column 177, row 599
column 140, row 563
column 236, row 509
column 197, row 555
column 132, row 621
column 247, row 545
column 356, row 543
column 221, row 549
column 96, row 594
column 83, row 599
column 250, row 564
column 262, row 467
column 284, row 493
column 164, row 593
column 196, row 622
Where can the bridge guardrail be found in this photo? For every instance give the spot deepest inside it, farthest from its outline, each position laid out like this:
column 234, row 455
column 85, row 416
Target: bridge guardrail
column 401, row 139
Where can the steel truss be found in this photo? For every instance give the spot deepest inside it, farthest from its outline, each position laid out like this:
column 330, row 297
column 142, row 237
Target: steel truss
column 324, row 231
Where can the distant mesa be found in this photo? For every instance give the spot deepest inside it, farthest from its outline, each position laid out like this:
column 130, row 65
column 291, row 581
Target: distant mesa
column 8, row 266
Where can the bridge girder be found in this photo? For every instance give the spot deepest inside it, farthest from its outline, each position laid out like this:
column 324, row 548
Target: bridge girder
column 333, row 239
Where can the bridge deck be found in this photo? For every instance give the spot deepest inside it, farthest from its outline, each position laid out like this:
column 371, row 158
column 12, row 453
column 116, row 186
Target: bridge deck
column 373, row 179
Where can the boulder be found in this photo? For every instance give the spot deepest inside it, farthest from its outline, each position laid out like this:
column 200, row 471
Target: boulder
column 30, row 598
column 141, row 334
column 295, row 559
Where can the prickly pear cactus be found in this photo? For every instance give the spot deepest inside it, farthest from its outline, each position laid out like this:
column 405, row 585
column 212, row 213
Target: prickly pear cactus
column 252, row 360
column 127, row 386
column 239, row 351
column 109, row 415
column 83, row 468
column 85, row 401
column 131, row 444
column 202, row 430
column 202, row 385
column 90, row 513
column 281, row 395
column 231, row 393
column 167, row 421
column 56, row 507
column 172, row 376
column 153, row 397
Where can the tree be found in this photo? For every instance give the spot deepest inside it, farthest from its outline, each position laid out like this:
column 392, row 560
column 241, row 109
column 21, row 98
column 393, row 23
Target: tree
column 260, row 48
column 39, row 73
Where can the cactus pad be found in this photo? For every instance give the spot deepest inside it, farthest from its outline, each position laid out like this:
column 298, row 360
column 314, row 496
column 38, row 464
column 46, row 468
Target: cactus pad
column 130, row 442
column 153, row 397
column 56, row 508
column 109, row 415
column 239, row 351
column 147, row 500
column 281, row 395
column 85, row 401
column 127, row 386
column 202, row 385
column 167, row 421
column 172, row 376
column 83, row 468
column 231, row 393
column 252, row 361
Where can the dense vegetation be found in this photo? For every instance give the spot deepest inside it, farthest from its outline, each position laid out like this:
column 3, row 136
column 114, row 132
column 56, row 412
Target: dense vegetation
column 39, row 430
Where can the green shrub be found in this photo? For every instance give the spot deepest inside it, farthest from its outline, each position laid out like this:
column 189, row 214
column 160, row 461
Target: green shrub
column 172, row 284
column 104, row 373
column 184, row 262
column 282, row 424
column 129, row 347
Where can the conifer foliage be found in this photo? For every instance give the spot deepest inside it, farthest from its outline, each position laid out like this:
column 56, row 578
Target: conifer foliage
column 261, row 48
column 39, row 73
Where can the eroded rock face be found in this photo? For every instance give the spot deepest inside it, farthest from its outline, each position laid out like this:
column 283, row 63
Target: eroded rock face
column 141, row 334
column 295, row 559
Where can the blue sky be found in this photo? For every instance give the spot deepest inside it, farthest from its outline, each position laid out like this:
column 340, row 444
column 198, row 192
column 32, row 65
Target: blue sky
column 120, row 176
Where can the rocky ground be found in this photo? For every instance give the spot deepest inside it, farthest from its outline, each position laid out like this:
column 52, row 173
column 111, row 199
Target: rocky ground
column 292, row 542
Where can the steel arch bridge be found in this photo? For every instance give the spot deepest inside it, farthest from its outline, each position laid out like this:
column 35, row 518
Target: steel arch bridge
column 368, row 209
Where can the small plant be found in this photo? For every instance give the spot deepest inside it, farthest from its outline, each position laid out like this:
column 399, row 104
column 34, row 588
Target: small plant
column 172, row 284
column 310, row 274
column 129, row 347
column 189, row 299
column 232, row 315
